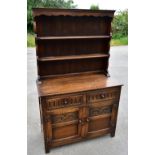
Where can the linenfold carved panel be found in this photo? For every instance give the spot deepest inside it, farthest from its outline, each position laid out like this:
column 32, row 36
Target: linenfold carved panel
column 64, row 102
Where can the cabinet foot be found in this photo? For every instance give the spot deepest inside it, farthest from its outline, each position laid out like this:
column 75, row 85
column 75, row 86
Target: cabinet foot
column 112, row 134
column 47, row 150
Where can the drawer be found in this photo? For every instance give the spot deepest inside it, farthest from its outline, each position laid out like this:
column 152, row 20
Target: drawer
column 64, row 101
column 104, row 94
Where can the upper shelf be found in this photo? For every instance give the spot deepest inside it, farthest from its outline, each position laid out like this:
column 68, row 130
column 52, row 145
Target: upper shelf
column 72, row 12
column 72, row 37
column 82, row 56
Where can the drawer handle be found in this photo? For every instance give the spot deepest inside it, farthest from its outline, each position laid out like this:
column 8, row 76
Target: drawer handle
column 80, row 121
column 65, row 102
column 102, row 96
column 88, row 120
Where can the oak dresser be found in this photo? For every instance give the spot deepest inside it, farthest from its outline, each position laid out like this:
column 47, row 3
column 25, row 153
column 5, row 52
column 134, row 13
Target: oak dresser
column 77, row 97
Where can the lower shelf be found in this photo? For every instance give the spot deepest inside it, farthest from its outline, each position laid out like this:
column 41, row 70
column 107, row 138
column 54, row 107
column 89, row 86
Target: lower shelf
column 73, row 57
column 73, row 37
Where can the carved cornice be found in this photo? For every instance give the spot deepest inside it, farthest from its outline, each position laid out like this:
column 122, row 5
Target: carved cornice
column 72, row 12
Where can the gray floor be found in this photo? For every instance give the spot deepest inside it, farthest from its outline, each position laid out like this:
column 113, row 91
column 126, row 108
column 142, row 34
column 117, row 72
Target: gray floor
column 99, row 146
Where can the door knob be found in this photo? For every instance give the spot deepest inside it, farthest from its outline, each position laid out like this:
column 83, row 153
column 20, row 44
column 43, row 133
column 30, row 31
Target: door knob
column 88, row 120
column 65, row 102
column 102, row 95
column 80, row 121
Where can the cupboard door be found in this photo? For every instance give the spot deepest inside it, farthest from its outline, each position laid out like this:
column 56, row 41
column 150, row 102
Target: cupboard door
column 63, row 125
column 99, row 118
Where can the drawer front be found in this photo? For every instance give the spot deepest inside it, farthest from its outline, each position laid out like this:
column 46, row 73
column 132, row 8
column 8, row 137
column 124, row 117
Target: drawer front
column 65, row 101
column 105, row 94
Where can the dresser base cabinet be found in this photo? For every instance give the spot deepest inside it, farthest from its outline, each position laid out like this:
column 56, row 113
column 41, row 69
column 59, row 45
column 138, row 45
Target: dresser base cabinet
column 79, row 116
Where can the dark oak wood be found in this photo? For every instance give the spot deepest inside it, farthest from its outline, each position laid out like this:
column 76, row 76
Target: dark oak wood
column 77, row 99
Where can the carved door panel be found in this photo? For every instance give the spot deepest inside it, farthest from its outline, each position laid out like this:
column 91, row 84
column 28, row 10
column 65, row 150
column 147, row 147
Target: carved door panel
column 102, row 111
column 99, row 118
column 63, row 125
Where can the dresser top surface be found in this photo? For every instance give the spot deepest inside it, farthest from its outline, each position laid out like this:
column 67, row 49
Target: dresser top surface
column 71, row 12
column 74, row 83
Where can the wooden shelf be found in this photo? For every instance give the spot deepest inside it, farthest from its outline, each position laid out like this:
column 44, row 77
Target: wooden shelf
column 72, row 37
column 70, row 84
column 73, row 57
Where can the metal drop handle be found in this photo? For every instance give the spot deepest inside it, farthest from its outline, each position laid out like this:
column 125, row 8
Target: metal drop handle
column 65, row 102
column 102, row 95
column 88, row 120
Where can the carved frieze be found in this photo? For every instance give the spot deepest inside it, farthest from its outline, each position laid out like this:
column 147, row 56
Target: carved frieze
column 63, row 102
column 102, row 96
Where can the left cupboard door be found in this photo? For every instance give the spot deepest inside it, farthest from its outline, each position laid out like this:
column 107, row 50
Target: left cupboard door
column 62, row 126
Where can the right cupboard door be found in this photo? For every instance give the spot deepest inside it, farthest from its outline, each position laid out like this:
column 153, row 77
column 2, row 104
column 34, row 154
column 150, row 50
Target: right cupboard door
column 99, row 117
column 102, row 111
